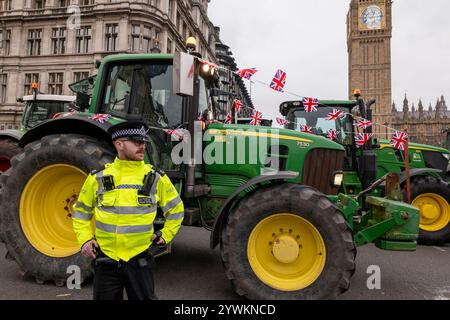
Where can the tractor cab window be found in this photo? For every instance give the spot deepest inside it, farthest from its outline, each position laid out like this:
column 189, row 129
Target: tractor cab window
column 151, row 96
column 145, row 89
column 204, row 107
column 320, row 125
column 39, row 111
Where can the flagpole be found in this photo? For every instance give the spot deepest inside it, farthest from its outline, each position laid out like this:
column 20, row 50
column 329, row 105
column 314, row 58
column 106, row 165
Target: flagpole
column 408, row 190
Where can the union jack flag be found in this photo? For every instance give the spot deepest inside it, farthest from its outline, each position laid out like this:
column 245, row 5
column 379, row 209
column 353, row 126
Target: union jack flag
column 100, row 117
column 331, row 134
column 70, row 113
column 362, row 138
column 256, row 118
column 247, row 73
column 278, row 81
column 237, row 105
column 229, row 118
column 306, row 129
column 310, row 104
column 200, row 116
column 282, row 122
column 336, row 114
column 399, row 140
column 364, row 123
column 177, row 135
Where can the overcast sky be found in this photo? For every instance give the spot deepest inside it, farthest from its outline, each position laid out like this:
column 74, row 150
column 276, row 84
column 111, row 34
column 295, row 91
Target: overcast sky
column 307, row 39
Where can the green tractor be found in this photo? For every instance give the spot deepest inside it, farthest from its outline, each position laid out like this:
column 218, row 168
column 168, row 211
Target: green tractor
column 38, row 107
column 428, row 165
column 269, row 196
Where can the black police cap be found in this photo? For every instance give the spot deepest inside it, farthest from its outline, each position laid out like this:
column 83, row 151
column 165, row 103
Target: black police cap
column 134, row 130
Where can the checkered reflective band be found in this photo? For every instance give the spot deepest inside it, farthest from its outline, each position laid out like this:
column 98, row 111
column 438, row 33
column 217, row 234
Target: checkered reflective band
column 129, row 186
column 129, row 132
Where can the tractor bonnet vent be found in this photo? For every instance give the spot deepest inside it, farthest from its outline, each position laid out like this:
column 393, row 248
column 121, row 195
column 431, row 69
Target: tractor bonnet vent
column 279, row 153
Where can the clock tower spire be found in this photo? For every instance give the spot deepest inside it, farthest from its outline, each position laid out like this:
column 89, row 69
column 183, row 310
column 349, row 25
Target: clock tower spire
column 369, row 33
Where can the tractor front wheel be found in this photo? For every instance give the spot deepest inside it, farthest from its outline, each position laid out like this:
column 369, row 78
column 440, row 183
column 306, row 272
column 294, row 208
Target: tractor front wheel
column 37, row 198
column 288, row 242
column 432, row 197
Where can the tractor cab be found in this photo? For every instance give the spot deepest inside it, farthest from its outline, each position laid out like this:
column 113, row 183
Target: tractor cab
column 295, row 113
column 41, row 107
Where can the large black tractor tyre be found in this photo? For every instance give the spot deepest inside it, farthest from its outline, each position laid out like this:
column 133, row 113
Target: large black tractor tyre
column 37, row 197
column 8, row 149
column 288, row 242
column 432, row 197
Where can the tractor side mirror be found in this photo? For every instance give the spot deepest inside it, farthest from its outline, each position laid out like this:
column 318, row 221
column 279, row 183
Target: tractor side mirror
column 82, row 101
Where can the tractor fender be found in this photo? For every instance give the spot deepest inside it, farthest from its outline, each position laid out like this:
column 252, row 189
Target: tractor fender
column 224, row 210
column 69, row 125
column 417, row 172
column 15, row 135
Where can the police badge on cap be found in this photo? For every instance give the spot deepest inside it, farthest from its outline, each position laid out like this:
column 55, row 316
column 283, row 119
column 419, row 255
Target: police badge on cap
column 134, row 130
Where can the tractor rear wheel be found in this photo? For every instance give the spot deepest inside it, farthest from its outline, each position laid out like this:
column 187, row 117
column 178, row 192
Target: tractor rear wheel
column 8, row 149
column 37, row 200
column 288, row 242
column 432, row 197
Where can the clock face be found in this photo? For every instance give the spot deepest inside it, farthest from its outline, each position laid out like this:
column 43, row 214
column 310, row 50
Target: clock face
column 372, row 17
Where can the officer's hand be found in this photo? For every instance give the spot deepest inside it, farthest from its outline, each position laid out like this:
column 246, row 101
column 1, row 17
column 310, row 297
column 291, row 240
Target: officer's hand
column 88, row 249
column 161, row 241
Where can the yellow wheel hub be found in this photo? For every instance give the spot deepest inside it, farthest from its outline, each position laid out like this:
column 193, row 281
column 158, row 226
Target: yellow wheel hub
column 434, row 211
column 286, row 252
column 46, row 207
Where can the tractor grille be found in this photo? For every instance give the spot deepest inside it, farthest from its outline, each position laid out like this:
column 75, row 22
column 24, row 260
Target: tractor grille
column 320, row 164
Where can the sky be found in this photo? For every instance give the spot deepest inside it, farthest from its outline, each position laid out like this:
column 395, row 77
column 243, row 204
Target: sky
column 307, row 39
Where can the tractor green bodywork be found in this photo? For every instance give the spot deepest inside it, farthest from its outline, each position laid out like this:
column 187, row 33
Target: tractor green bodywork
column 301, row 158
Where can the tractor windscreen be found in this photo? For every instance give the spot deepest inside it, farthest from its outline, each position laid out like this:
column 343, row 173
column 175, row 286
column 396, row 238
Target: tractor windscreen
column 40, row 110
column 317, row 121
column 143, row 89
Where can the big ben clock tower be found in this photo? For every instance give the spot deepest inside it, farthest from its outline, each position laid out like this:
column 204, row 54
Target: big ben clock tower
column 369, row 33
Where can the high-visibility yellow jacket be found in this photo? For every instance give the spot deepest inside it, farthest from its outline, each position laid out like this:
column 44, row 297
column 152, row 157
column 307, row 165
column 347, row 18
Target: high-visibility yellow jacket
column 121, row 219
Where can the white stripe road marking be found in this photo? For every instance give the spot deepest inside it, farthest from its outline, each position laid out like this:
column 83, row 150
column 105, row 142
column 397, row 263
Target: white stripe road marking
column 439, row 249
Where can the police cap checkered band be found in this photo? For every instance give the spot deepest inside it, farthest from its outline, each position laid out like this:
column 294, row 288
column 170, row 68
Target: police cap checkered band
column 129, row 132
column 135, row 130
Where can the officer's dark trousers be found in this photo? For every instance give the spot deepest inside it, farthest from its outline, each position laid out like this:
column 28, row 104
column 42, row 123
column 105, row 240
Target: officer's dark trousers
column 135, row 276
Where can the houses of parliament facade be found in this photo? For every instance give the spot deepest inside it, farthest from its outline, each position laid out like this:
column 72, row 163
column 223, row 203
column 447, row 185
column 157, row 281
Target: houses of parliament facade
column 369, row 33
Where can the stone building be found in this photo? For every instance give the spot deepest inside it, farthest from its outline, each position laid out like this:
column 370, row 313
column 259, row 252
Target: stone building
column 424, row 124
column 231, row 85
column 41, row 40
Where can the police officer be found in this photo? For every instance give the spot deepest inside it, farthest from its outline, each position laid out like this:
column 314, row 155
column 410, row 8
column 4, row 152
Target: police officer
column 122, row 199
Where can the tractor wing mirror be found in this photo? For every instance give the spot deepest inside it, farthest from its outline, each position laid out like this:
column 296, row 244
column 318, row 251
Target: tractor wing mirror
column 183, row 74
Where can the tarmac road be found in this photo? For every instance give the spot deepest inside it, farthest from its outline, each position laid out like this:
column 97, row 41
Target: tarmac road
column 192, row 273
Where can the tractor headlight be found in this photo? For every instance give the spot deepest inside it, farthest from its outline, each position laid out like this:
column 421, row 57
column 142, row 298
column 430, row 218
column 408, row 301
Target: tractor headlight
column 338, row 177
column 446, row 156
column 205, row 68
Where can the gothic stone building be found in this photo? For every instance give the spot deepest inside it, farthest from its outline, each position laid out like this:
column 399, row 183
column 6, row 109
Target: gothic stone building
column 424, row 125
column 39, row 44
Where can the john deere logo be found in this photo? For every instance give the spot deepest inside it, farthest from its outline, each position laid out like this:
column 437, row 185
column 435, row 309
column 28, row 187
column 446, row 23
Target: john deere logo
column 417, row 157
